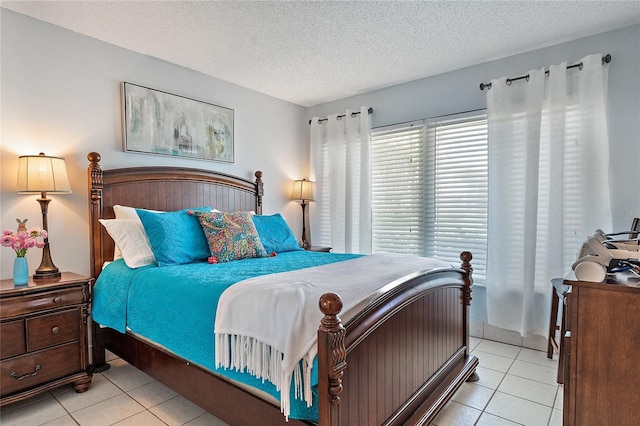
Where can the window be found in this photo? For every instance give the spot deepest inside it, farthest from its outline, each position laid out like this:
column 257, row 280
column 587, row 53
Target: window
column 429, row 189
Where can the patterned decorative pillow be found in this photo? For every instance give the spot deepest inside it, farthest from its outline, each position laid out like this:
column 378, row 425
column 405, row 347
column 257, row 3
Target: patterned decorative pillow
column 231, row 235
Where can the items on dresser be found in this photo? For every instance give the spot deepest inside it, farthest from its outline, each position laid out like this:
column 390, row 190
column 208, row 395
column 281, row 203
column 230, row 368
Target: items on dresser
column 601, row 368
column 601, row 254
column 43, row 329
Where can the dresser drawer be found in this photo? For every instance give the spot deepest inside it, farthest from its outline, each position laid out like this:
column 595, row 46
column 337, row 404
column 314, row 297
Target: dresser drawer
column 39, row 367
column 35, row 302
column 53, row 329
column 11, row 339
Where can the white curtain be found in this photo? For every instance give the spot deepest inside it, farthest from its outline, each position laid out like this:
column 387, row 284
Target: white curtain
column 548, row 185
column 341, row 167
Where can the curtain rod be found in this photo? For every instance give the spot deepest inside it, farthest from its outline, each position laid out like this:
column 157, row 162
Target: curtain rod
column 353, row 114
column 431, row 118
column 605, row 60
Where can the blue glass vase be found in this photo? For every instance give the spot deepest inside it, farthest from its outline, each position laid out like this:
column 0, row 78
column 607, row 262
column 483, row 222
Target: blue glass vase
column 20, row 271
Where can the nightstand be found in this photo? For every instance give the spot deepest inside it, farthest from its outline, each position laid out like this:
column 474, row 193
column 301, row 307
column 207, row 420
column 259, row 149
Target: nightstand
column 43, row 329
column 318, row 248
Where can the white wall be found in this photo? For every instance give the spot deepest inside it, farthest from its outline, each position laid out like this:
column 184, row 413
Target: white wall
column 60, row 94
column 458, row 91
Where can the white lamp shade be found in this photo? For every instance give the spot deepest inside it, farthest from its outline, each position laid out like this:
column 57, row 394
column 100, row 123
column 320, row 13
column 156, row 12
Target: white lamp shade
column 302, row 190
column 41, row 173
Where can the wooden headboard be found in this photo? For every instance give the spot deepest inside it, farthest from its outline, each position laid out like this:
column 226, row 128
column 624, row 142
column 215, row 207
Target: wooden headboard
column 160, row 188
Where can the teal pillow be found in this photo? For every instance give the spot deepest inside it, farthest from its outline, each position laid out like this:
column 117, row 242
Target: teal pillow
column 275, row 234
column 175, row 237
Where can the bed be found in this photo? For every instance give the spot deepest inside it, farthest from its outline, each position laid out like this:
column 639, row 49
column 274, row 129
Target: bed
column 398, row 360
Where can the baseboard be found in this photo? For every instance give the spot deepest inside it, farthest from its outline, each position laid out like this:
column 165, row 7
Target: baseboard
column 482, row 330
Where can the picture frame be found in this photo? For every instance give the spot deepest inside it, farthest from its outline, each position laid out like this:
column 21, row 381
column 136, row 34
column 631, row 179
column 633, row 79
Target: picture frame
column 161, row 123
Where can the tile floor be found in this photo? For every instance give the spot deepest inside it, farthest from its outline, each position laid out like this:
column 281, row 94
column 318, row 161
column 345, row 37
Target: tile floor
column 517, row 386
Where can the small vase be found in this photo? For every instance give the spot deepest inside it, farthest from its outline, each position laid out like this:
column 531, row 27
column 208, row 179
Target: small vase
column 20, row 271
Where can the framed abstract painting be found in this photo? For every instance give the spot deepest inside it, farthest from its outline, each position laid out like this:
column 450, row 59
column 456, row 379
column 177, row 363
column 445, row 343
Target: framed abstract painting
column 157, row 122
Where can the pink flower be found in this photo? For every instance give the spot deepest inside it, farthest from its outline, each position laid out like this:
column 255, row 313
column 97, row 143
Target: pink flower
column 7, row 240
column 21, row 241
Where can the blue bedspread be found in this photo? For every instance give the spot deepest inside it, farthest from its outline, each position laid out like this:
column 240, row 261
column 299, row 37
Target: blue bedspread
column 175, row 306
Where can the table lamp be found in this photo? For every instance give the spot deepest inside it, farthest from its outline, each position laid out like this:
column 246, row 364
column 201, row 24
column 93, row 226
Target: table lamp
column 303, row 192
column 42, row 174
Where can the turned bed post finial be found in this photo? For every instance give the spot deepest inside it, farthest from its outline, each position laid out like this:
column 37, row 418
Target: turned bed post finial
column 332, row 356
column 95, row 176
column 466, row 257
column 259, row 190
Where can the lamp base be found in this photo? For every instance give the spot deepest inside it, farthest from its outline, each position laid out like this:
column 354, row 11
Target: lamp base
column 46, row 275
column 304, row 243
column 47, row 270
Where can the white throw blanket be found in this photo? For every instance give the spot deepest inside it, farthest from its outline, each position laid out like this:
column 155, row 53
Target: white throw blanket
column 268, row 325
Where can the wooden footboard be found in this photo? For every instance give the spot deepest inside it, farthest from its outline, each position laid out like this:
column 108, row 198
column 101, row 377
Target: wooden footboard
column 400, row 360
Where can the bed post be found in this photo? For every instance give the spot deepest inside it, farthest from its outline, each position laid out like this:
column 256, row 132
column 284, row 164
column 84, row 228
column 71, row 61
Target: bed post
column 259, row 192
column 94, row 173
column 466, row 257
column 95, row 209
column 331, row 360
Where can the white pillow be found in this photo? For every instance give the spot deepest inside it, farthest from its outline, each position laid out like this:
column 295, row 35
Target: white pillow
column 129, row 213
column 131, row 240
column 124, row 212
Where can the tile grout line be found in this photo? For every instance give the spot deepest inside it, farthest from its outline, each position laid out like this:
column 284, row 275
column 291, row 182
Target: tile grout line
column 504, row 375
column 526, row 399
column 147, row 409
column 64, row 408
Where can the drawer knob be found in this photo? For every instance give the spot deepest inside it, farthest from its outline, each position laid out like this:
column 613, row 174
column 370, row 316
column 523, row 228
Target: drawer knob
column 15, row 375
column 57, row 299
column 55, row 330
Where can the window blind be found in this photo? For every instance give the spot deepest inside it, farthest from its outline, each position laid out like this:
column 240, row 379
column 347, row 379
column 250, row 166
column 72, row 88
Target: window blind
column 429, row 189
column 398, row 169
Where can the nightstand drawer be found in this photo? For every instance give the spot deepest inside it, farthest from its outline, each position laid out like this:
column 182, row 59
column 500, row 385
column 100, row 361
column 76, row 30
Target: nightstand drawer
column 53, row 329
column 40, row 367
column 12, row 339
column 41, row 301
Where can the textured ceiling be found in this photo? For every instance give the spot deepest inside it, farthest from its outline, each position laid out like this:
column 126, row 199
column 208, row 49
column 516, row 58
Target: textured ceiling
column 310, row 52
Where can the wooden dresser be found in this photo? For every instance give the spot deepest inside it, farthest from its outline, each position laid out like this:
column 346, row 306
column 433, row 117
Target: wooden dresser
column 43, row 335
column 602, row 347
